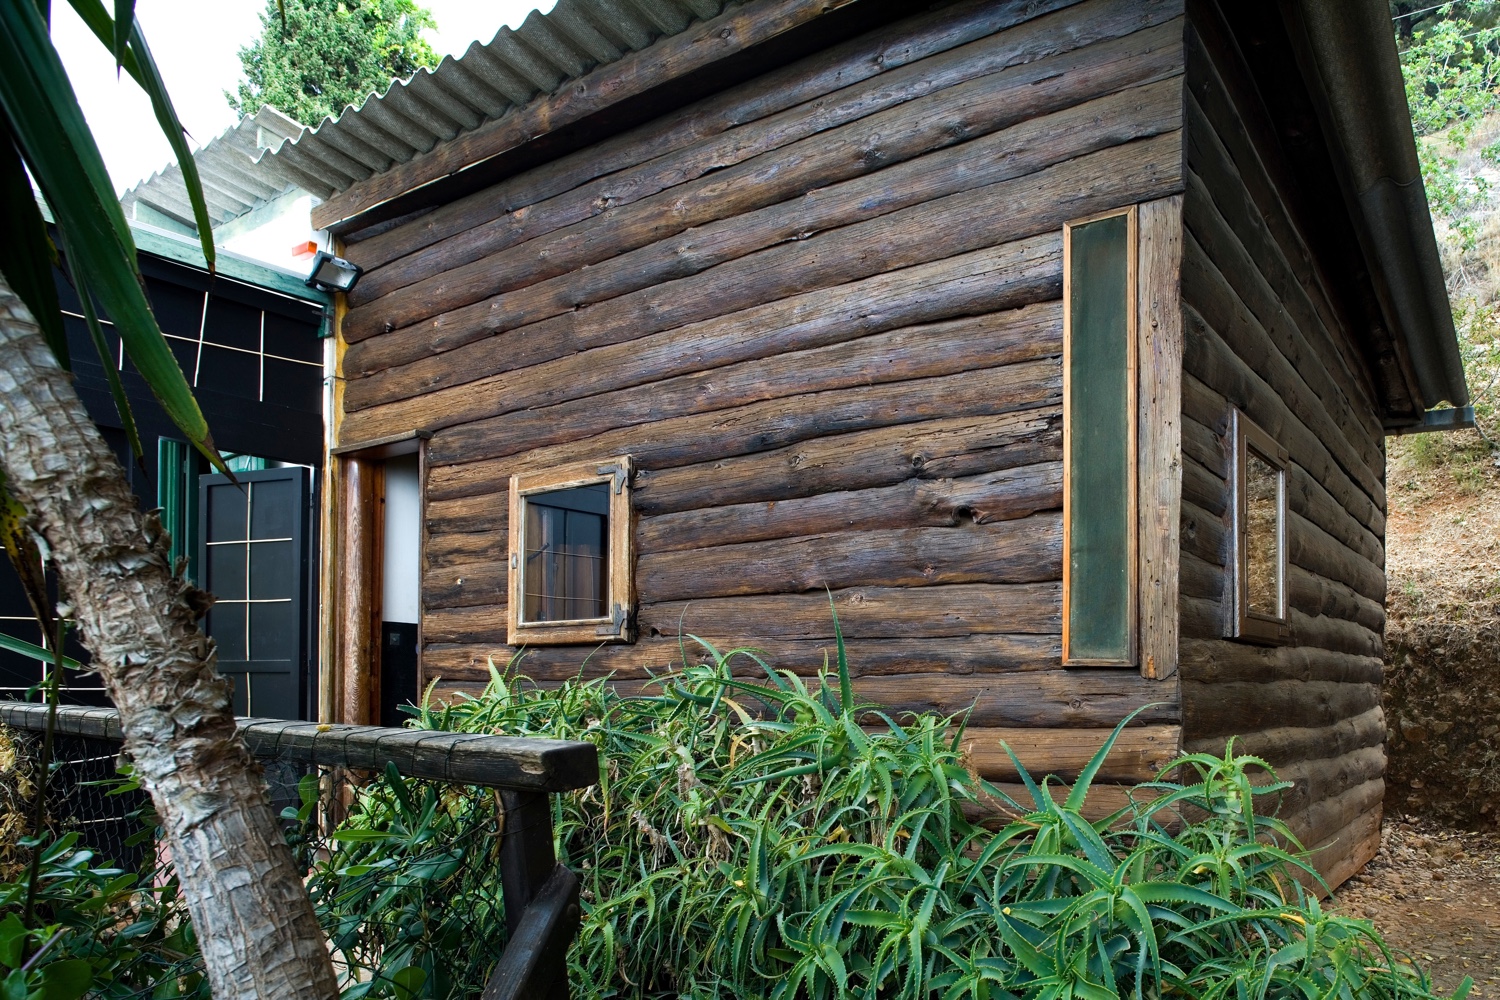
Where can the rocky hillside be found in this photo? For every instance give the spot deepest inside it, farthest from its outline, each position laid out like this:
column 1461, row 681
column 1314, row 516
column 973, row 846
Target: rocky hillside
column 1443, row 551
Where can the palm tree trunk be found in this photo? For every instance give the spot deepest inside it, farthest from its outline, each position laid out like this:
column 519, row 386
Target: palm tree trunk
column 254, row 921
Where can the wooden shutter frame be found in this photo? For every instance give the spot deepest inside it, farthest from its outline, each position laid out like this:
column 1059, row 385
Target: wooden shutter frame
column 619, row 626
column 1244, row 624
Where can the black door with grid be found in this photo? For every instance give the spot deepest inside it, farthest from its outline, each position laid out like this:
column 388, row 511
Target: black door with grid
column 254, row 557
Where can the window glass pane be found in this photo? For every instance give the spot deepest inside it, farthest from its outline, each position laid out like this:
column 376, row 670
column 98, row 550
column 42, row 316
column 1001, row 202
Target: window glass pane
column 565, row 567
column 1099, row 456
column 1262, row 536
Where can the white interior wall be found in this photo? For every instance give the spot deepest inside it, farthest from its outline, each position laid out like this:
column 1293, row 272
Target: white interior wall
column 403, row 511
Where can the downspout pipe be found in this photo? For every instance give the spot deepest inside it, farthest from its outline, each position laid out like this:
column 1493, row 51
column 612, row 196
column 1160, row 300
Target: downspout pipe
column 1349, row 53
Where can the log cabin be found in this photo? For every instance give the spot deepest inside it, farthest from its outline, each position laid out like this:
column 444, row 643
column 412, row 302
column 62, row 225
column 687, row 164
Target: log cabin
column 1056, row 341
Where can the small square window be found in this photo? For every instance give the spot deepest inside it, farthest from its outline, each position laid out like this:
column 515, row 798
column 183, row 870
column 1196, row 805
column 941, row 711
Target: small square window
column 570, row 557
column 1258, row 566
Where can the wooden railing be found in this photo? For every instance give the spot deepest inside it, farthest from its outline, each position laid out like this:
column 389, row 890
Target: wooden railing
column 541, row 896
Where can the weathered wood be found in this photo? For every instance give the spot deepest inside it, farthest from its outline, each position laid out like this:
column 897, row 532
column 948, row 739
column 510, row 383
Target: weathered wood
column 776, row 423
column 987, row 497
column 535, row 960
column 836, row 86
column 1236, row 707
column 1239, row 123
column 736, row 30
column 1204, row 535
column 1221, row 661
column 1058, row 698
column 459, row 758
column 991, row 340
column 1206, row 580
column 1209, row 293
column 813, row 186
column 591, row 346
column 866, row 613
column 1311, row 547
column 1028, row 550
column 979, row 655
column 1317, row 595
column 1201, row 618
column 1227, row 224
column 1287, row 744
column 482, row 512
column 1208, row 358
column 1343, row 850
column 1138, row 754
column 939, row 449
column 360, row 568
column 1159, row 402
column 1210, row 493
column 1360, row 528
column 1038, row 202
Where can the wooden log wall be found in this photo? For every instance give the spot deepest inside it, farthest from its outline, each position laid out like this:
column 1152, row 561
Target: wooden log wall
column 1263, row 334
column 822, row 312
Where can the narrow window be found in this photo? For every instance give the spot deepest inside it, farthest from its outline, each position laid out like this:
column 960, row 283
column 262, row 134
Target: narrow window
column 570, row 554
column 1259, row 563
column 1099, row 441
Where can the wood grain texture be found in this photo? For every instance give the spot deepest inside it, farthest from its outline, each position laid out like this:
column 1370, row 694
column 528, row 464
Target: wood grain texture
column 1263, row 334
column 1159, row 402
column 1138, row 754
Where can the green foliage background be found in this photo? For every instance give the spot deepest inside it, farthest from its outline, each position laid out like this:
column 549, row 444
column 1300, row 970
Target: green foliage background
column 330, row 53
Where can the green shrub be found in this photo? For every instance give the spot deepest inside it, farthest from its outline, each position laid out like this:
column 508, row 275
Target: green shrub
column 753, row 839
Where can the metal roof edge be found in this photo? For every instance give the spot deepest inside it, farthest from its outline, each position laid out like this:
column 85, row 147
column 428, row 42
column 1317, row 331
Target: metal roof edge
column 184, row 250
column 1350, row 59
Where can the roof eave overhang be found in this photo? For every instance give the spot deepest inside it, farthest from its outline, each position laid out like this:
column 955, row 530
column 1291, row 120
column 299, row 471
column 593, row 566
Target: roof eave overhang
column 1347, row 55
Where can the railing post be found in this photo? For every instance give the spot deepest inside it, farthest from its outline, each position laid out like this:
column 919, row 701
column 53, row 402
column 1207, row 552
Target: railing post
column 541, row 904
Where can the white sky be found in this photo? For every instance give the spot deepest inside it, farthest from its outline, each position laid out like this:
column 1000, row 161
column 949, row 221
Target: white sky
column 196, row 46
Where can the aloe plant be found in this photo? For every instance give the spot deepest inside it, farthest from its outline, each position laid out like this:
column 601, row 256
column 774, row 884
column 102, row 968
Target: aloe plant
column 759, row 834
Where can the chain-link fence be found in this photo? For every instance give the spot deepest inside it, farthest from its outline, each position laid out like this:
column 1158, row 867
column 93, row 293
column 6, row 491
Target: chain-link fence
column 406, row 861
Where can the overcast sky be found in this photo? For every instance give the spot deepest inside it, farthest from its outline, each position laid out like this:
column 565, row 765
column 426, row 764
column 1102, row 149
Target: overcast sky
column 196, row 46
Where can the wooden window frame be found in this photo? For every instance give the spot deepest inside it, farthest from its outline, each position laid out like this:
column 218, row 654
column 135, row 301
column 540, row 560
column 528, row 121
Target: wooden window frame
column 619, row 625
column 1247, row 625
column 1132, row 404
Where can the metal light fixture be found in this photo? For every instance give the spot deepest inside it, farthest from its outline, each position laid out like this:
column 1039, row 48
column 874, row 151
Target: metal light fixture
column 333, row 274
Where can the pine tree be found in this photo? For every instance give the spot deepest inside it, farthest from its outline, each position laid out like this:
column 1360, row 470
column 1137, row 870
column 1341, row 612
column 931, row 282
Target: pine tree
column 327, row 54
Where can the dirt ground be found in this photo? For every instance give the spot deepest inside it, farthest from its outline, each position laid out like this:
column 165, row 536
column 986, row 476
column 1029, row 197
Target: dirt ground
column 1435, row 894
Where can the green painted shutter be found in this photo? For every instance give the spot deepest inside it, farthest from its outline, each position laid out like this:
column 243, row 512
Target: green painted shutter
column 1100, row 452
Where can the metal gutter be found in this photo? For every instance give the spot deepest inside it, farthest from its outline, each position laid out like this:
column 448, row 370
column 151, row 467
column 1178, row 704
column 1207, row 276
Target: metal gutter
column 1350, row 61
column 1447, row 418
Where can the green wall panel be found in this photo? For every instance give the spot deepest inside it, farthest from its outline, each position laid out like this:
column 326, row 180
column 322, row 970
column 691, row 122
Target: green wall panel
column 1100, row 447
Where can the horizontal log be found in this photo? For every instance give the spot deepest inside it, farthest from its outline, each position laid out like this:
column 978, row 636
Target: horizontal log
column 471, row 584
column 987, row 341
column 978, row 655
column 1211, row 493
column 991, row 496
column 866, row 613
column 1288, row 744
column 1223, row 661
column 1317, row 595
column 1202, row 617
column 1338, row 852
column 1204, row 535
column 838, row 85
column 938, row 449
column 863, row 613
column 1037, row 203
column 904, row 157
column 1103, row 800
column 484, row 512
column 1138, row 754
column 1205, row 446
column 775, row 424
column 997, row 278
column 1228, row 708
column 1077, row 698
column 1205, row 580
column 1028, row 550
column 1311, row 547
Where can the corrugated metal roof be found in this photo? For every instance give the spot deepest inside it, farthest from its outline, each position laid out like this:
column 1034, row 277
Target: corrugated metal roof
column 232, row 184
column 486, row 82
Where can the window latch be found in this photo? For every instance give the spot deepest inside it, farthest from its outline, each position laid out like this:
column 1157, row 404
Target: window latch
column 619, row 623
column 621, row 474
